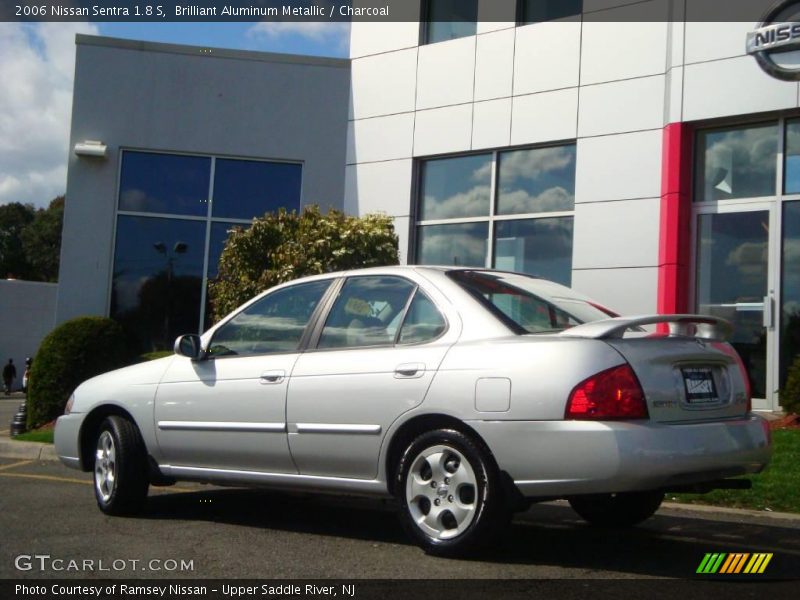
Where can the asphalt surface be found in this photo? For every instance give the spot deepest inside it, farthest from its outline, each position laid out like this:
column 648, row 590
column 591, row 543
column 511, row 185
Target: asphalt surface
column 47, row 509
column 8, row 408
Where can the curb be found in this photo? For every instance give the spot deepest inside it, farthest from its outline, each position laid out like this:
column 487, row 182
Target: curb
column 29, row 450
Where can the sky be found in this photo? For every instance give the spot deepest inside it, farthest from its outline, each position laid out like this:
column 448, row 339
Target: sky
column 37, row 63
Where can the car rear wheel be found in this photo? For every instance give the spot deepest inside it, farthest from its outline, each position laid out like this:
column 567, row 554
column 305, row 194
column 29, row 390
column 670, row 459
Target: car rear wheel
column 450, row 493
column 617, row 510
column 120, row 468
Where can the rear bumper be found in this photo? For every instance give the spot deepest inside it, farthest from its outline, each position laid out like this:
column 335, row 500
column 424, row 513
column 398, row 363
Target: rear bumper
column 66, row 439
column 562, row 458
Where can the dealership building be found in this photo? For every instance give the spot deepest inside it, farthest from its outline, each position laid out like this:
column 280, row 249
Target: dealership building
column 653, row 165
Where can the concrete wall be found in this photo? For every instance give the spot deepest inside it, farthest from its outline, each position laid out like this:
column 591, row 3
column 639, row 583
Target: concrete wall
column 27, row 310
column 171, row 98
column 610, row 83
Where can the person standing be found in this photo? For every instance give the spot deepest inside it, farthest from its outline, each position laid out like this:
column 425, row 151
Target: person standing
column 9, row 375
column 26, row 376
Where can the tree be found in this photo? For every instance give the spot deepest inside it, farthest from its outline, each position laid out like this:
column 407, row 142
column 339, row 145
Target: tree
column 14, row 218
column 283, row 246
column 30, row 240
column 41, row 241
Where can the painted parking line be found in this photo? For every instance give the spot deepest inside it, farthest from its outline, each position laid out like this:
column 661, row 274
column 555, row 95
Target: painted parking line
column 21, row 463
column 46, row 477
column 5, row 431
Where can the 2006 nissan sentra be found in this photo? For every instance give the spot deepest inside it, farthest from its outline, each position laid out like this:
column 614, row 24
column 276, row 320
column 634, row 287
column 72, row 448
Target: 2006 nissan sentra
column 464, row 393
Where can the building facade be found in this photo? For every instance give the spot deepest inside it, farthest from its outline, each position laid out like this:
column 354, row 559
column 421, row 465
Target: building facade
column 654, row 166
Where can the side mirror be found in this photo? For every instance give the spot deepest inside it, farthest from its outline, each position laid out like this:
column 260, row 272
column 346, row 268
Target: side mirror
column 189, row 346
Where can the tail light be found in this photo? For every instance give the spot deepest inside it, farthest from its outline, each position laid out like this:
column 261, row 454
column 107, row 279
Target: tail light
column 731, row 351
column 611, row 394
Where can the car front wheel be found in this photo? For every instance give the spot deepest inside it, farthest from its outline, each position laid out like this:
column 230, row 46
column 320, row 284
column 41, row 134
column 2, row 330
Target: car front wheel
column 450, row 494
column 120, row 468
column 617, row 510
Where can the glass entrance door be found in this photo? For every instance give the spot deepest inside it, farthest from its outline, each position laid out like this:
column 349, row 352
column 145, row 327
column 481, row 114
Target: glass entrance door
column 733, row 282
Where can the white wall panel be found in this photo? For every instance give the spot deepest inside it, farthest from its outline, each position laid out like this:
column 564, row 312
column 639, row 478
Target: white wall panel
column 379, row 187
column 617, row 167
column 735, row 86
column 627, row 291
column 494, row 65
column 383, row 84
column 616, row 234
column 491, row 123
column 381, row 138
column 446, row 73
column 375, row 37
column 712, row 41
column 443, row 130
column 544, row 117
column 621, row 50
column 401, row 228
column 622, row 106
column 546, row 57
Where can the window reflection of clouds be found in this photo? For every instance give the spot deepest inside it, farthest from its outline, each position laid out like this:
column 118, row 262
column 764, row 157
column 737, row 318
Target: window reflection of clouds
column 738, row 163
column 458, row 244
column 537, row 180
column 456, row 187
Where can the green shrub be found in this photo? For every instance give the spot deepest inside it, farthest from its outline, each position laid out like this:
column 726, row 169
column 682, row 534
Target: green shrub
column 70, row 354
column 147, row 356
column 283, row 246
column 790, row 395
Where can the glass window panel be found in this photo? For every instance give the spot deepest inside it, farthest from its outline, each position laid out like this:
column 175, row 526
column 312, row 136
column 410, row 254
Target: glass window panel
column 536, row 180
column 366, row 312
column 164, row 183
column 460, row 244
column 216, row 244
column 540, row 247
column 423, row 322
column 790, row 292
column 275, row 323
column 456, row 187
column 536, row 11
column 739, row 162
column 732, row 282
column 244, row 189
column 158, row 272
column 791, row 182
column 451, row 19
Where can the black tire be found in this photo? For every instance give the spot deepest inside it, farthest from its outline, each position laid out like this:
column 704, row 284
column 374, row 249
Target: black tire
column 126, row 492
column 617, row 510
column 483, row 498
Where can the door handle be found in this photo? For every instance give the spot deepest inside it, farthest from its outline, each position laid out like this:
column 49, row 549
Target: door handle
column 268, row 377
column 409, row 371
column 769, row 311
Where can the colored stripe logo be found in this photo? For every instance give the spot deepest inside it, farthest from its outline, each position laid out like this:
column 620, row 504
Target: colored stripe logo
column 734, row 563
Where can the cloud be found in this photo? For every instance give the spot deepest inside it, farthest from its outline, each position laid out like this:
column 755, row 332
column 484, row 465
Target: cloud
column 37, row 64
column 337, row 33
column 474, row 202
column 520, row 201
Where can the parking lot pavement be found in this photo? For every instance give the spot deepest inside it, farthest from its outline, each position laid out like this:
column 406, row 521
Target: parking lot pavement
column 47, row 509
column 8, row 407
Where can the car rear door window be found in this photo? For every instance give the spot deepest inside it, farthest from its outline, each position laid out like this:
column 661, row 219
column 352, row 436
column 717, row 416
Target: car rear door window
column 423, row 321
column 367, row 312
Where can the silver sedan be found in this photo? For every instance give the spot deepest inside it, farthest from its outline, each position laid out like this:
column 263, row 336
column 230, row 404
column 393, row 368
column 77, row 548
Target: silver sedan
column 465, row 394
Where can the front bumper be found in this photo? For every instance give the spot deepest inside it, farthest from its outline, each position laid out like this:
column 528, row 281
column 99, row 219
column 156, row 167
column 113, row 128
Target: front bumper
column 562, row 458
column 66, row 439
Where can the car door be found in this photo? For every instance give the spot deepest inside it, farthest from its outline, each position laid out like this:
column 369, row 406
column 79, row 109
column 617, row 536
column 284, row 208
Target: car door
column 374, row 359
column 228, row 411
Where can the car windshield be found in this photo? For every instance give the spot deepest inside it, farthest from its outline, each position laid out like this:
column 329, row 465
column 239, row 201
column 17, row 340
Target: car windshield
column 527, row 304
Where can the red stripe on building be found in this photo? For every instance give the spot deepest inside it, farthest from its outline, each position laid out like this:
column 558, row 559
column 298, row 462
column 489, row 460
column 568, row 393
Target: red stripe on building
column 675, row 232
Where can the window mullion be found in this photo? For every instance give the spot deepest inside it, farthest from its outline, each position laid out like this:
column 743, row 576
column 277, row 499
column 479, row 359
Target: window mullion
column 204, row 286
column 492, row 205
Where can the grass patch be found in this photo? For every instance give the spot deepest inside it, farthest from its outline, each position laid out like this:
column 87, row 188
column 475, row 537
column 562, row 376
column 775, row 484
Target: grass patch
column 775, row 488
column 37, row 435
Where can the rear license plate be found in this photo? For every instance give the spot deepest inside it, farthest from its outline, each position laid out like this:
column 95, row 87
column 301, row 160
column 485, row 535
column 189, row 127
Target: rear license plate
column 699, row 385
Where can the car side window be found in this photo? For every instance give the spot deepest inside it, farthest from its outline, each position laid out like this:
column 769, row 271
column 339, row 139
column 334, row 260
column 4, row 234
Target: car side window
column 273, row 324
column 367, row 312
column 423, row 321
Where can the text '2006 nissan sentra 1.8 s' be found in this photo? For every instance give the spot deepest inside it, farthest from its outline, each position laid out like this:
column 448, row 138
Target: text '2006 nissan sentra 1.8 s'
column 463, row 393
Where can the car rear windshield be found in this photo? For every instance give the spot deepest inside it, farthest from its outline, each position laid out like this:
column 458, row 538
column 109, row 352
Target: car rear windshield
column 527, row 304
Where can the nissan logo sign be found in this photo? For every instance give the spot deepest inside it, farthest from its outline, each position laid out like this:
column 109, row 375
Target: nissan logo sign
column 776, row 42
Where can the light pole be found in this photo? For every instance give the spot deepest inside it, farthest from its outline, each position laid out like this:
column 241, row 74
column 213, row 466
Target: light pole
column 161, row 248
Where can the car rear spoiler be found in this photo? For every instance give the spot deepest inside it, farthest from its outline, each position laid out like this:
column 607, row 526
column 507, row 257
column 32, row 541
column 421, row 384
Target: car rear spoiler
column 698, row 326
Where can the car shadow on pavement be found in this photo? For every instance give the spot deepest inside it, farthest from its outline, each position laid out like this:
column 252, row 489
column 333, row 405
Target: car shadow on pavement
column 667, row 545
